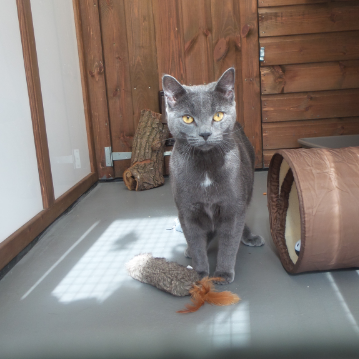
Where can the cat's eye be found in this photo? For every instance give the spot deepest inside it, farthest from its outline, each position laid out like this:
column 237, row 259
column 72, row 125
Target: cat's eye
column 218, row 116
column 187, row 119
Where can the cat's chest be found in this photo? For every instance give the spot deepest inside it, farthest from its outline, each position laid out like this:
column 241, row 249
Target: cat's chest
column 206, row 181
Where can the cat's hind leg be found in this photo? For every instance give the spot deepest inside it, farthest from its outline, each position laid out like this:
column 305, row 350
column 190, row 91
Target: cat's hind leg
column 250, row 239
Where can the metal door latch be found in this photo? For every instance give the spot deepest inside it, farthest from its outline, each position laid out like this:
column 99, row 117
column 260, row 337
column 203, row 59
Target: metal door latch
column 261, row 54
column 118, row 156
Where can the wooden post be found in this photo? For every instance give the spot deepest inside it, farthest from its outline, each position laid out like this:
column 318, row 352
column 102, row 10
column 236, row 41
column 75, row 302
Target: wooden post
column 250, row 76
column 146, row 169
column 93, row 56
column 35, row 99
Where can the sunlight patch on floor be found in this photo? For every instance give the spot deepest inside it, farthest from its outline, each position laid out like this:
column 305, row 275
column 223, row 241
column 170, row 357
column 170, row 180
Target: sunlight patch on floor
column 47, row 273
column 101, row 271
column 229, row 328
column 343, row 303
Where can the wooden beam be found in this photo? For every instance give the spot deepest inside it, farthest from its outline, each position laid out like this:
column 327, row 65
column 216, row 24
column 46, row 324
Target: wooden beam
column 84, row 85
column 250, row 76
column 309, row 19
column 299, row 49
column 95, row 68
column 118, row 78
column 15, row 243
column 322, row 76
column 310, row 105
column 35, row 99
column 266, row 3
column 286, row 134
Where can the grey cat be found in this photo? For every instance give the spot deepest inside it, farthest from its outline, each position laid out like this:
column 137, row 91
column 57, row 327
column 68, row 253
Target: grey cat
column 212, row 171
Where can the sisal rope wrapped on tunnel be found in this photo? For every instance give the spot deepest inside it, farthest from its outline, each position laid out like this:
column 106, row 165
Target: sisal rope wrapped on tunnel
column 313, row 196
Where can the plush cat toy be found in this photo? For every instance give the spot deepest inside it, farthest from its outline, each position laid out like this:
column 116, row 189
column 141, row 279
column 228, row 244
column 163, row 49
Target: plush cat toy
column 178, row 280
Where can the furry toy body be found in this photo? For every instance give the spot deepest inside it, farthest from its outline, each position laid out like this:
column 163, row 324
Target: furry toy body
column 178, row 280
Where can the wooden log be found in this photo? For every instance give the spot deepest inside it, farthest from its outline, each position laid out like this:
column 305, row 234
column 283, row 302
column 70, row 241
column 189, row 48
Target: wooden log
column 146, row 169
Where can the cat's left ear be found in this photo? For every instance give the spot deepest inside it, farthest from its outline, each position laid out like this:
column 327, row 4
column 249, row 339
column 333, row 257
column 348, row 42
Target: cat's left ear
column 225, row 84
column 173, row 89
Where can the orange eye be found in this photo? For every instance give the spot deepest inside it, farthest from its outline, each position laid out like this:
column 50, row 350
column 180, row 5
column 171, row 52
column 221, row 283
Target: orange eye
column 218, row 116
column 187, row 119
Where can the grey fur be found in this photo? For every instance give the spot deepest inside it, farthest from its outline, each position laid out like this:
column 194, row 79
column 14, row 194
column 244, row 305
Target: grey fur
column 170, row 277
column 212, row 171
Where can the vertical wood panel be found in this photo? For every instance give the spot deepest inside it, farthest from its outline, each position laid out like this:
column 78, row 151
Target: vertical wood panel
column 91, row 31
column 194, row 41
column 84, row 85
column 169, row 39
column 198, row 42
column 250, row 76
column 227, row 45
column 142, row 56
column 35, row 99
column 118, row 80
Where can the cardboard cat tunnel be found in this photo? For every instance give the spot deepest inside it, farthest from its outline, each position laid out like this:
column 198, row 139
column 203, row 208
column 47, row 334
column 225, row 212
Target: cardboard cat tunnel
column 313, row 197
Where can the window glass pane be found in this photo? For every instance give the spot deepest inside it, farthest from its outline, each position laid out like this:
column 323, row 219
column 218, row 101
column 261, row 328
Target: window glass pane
column 20, row 191
column 58, row 59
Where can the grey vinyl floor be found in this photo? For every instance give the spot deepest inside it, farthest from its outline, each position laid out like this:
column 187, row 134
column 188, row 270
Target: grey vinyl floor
column 70, row 296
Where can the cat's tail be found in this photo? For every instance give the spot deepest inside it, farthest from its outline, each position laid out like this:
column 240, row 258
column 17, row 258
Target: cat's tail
column 203, row 291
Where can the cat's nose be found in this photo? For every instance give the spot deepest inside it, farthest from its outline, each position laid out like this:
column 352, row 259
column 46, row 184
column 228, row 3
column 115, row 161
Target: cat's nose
column 205, row 135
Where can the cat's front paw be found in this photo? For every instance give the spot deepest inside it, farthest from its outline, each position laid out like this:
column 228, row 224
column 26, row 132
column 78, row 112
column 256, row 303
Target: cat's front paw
column 227, row 277
column 253, row 241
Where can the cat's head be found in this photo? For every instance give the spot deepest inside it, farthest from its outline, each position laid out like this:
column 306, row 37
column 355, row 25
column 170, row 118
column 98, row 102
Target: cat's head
column 201, row 115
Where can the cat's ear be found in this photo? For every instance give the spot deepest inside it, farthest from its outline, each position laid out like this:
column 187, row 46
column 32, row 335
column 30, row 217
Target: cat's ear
column 173, row 89
column 225, row 84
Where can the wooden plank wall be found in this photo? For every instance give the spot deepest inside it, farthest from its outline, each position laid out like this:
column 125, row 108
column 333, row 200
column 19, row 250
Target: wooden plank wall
column 194, row 41
column 310, row 72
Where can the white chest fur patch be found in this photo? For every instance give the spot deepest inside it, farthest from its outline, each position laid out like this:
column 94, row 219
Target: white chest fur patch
column 207, row 181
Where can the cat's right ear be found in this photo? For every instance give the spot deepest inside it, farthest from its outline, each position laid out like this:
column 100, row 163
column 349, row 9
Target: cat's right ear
column 173, row 89
column 225, row 84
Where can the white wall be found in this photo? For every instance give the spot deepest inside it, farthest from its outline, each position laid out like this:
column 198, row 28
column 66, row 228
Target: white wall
column 57, row 53
column 20, row 193
column 56, row 45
